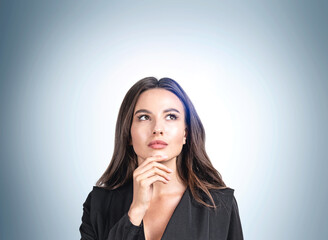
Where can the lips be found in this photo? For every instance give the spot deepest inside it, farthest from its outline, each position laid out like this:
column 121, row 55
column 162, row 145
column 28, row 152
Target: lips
column 157, row 144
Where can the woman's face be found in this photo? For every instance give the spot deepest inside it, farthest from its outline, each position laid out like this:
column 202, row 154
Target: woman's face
column 158, row 115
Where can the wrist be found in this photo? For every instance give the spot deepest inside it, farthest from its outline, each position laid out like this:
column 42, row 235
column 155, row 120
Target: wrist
column 136, row 215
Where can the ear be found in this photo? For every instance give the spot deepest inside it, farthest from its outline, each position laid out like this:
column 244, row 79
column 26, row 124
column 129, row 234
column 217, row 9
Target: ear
column 185, row 135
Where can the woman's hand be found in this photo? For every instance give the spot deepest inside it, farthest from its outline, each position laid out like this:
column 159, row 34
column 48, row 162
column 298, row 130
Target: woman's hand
column 144, row 176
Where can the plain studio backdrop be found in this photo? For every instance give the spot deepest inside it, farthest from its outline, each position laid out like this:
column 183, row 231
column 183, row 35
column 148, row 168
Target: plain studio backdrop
column 256, row 73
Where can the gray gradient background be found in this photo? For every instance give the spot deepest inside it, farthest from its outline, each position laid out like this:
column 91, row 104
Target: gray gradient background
column 256, row 73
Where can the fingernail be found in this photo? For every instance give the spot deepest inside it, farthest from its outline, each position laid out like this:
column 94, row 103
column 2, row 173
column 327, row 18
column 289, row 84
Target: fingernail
column 170, row 170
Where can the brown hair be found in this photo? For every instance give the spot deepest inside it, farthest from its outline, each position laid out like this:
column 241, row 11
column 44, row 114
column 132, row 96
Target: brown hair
column 193, row 164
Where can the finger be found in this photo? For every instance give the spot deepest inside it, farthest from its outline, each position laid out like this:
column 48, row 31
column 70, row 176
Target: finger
column 153, row 158
column 147, row 161
column 148, row 181
column 152, row 172
column 151, row 165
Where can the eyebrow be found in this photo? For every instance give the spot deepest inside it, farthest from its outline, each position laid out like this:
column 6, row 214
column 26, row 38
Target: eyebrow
column 166, row 110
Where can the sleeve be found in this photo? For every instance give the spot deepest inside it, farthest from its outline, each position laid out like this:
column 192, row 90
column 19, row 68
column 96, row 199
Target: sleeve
column 86, row 229
column 123, row 229
column 235, row 228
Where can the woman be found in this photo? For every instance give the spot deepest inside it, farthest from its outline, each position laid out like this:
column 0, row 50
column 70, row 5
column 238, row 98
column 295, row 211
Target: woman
column 160, row 183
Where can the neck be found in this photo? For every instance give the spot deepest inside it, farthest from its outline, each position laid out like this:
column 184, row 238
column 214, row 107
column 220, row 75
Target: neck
column 174, row 186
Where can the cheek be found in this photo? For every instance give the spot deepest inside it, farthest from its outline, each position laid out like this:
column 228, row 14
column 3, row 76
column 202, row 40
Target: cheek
column 178, row 134
column 137, row 135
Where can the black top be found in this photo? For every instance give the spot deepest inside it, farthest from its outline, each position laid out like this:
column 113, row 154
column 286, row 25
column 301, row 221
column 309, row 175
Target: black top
column 105, row 217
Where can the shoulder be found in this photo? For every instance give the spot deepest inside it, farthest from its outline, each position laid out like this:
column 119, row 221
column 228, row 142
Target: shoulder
column 100, row 197
column 223, row 193
column 223, row 198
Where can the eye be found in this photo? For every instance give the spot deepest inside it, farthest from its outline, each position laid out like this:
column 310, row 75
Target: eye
column 172, row 116
column 143, row 117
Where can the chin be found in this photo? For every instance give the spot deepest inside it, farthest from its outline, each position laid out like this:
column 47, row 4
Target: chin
column 157, row 152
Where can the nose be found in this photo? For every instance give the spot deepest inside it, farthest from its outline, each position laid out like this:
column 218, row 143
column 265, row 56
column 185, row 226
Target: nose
column 155, row 131
column 158, row 128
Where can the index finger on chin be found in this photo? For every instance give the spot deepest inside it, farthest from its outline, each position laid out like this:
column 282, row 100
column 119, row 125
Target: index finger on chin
column 154, row 158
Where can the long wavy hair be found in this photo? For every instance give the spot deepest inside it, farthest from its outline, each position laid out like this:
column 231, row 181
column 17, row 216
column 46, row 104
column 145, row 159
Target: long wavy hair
column 193, row 164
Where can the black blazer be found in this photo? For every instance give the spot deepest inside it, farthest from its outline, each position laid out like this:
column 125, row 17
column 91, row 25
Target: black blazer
column 105, row 217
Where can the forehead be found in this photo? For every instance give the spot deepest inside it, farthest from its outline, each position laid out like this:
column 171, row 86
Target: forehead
column 158, row 99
